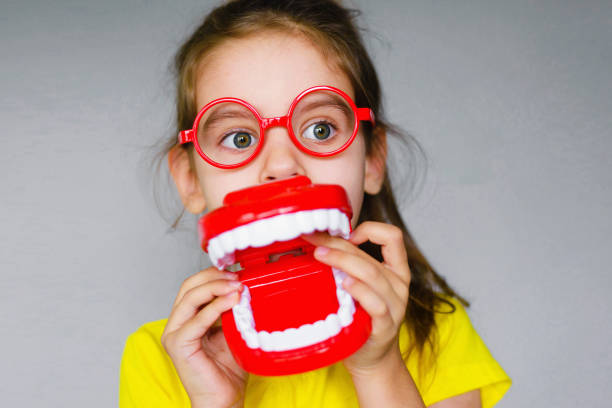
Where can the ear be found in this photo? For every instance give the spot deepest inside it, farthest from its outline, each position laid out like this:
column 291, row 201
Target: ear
column 375, row 164
column 186, row 180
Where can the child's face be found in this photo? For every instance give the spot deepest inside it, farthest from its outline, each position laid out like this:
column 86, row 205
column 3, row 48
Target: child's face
column 269, row 71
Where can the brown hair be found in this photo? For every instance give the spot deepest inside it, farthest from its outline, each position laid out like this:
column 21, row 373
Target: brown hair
column 332, row 29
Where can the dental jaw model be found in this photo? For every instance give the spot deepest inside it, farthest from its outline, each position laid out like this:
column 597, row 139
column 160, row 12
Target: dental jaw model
column 293, row 314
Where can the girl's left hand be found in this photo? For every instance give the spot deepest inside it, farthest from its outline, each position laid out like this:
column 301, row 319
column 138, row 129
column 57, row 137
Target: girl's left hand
column 382, row 289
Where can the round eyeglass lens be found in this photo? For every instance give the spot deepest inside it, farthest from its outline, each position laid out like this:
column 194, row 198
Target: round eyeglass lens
column 323, row 121
column 228, row 133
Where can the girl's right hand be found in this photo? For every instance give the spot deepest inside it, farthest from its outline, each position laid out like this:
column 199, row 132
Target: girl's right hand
column 194, row 340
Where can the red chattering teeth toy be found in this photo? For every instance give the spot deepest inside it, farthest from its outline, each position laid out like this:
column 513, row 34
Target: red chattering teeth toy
column 293, row 315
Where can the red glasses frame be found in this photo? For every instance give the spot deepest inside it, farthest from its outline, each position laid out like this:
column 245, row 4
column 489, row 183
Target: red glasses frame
column 190, row 136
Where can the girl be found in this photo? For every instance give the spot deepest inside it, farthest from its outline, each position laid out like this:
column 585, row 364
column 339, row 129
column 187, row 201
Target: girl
column 422, row 350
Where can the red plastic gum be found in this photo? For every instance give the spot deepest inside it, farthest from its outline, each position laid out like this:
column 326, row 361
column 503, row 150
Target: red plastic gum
column 293, row 315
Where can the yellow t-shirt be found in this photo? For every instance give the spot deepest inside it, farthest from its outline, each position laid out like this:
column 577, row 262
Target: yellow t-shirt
column 463, row 363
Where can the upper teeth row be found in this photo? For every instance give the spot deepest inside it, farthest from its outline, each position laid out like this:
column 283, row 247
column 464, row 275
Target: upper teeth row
column 278, row 228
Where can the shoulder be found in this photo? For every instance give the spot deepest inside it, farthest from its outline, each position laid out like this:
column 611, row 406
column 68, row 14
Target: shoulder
column 148, row 334
column 143, row 347
column 458, row 342
column 452, row 329
column 459, row 360
column 147, row 375
column 453, row 324
column 145, row 344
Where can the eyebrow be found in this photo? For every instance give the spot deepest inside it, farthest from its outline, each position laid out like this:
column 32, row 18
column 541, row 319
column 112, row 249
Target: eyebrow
column 331, row 101
column 227, row 112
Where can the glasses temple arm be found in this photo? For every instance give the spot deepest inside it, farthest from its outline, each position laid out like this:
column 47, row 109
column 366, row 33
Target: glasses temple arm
column 186, row 136
column 366, row 114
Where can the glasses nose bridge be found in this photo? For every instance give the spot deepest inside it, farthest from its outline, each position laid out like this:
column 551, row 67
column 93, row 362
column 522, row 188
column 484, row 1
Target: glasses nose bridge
column 273, row 122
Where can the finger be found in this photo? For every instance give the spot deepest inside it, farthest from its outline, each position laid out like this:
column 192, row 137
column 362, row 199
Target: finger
column 400, row 278
column 391, row 240
column 196, row 297
column 400, row 287
column 373, row 274
column 375, row 306
column 197, row 279
column 322, row 239
column 400, row 281
column 197, row 327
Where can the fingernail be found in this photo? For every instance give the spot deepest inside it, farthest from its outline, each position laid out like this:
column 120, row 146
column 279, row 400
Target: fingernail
column 231, row 275
column 348, row 281
column 321, row 251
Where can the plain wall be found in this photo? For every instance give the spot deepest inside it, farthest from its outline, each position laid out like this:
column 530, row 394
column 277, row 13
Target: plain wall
column 512, row 101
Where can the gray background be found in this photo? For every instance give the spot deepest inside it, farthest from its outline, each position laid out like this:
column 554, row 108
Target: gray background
column 511, row 100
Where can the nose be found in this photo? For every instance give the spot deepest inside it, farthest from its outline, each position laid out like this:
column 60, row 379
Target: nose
column 281, row 158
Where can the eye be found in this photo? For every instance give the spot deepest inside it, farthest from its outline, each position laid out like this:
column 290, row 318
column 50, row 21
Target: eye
column 238, row 140
column 319, row 131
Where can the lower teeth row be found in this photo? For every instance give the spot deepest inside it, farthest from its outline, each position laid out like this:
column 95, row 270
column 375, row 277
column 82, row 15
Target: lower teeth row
column 292, row 338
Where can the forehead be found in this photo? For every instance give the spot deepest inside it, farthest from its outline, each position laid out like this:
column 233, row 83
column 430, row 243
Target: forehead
column 267, row 70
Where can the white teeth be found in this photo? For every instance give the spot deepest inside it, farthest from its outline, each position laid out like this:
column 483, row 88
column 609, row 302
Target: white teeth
column 317, row 331
column 333, row 324
column 292, row 338
column 251, row 339
column 227, row 242
column 214, row 251
column 279, row 228
column 304, row 222
column 338, row 276
column 283, row 226
column 334, row 221
column 242, row 237
column 344, row 227
column 320, row 219
column 259, row 233
column 265, row 340
column 345, row 316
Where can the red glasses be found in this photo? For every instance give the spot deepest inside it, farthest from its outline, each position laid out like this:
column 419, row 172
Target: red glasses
column 229, row 132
